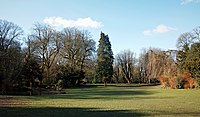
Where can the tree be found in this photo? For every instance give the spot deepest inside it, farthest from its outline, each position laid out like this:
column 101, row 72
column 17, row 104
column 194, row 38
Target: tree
column 194, row 54
column 188, row 53
column 77, row 49
column 31, row 73
column 104, row 68
column 154, row 63
column 183, row 44
column 193, row 60
column 10, row 54
column 126, row 63
column 47, row 45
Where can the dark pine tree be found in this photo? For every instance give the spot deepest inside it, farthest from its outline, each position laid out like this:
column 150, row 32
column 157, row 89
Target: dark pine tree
column 104, row 68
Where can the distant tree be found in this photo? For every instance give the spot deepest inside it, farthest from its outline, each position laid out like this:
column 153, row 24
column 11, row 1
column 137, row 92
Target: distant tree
column 10, row 54
column 104, row 68
column 126, row 65
column 142, row 64
column 154, row 63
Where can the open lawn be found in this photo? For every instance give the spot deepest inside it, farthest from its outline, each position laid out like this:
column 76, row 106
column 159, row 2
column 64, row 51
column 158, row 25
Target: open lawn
column 111, row 101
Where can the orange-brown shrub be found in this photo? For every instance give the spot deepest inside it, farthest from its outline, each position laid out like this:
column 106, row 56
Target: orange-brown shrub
column 172, row 82
column 182, row 81
column 186, row 81
column 164, row 81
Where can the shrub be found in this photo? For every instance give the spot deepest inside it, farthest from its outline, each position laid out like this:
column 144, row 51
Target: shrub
column 185, row 81
column 182, row 81
column 164, row 81
column 173, row 82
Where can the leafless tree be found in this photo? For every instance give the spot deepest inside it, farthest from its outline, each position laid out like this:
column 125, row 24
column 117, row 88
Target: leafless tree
column 155, row 63
column 9, row 35
column 196, row 34
column 126, row 65
column 46, row 44
column 77, row 47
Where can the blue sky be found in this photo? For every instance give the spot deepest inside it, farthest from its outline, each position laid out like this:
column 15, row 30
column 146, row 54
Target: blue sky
column 130, row 24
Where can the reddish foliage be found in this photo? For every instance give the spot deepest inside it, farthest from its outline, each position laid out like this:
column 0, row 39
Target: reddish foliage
column 187, row 80
column 185, row 74
column 172, row 82
column 183, row 80
column 164, row 81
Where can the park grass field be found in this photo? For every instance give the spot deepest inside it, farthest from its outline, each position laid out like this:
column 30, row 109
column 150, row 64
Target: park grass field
column 111, row 101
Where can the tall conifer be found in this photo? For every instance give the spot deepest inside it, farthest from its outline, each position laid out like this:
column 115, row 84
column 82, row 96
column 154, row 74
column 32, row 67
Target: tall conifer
column 104, row 68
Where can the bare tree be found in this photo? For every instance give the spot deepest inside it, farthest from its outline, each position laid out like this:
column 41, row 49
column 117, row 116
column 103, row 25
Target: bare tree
column 9, row 35
column 184, row 41
column 77, row 47
column 154, row 63
column 77, row 50
column 47, row 45
column 196, row 34
column 126, row 63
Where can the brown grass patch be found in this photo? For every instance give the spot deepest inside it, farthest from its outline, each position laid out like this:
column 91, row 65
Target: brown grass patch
column 9, row 101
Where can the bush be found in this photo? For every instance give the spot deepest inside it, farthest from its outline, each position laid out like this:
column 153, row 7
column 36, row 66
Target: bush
column 182, row 81
column 164, row 81
column 70, row 77
column 173, row 82
column 185, row 81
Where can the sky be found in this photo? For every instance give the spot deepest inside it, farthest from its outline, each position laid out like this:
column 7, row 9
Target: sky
column 130, row 24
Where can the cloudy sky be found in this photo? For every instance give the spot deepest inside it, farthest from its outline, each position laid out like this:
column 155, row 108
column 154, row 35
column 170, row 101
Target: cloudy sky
column 130, row 24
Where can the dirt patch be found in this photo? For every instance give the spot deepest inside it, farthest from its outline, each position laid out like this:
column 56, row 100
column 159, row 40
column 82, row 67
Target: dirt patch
column 9, row 101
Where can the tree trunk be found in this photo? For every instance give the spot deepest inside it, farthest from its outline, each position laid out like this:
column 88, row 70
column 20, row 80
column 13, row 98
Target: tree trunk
column 105, row 83
column 30, row 88
column 40, row 90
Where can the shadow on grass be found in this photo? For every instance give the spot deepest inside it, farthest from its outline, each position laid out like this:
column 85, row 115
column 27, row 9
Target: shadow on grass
column 98, row 91
column 65, row 112
column 121, row 92
column 117, row 85
column 98, row 94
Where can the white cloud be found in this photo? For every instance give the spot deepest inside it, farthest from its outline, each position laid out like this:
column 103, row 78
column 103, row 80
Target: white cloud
column 162, row 28
column 159, row 29
column 189, row 1
column 80, row 22
column 147, row 32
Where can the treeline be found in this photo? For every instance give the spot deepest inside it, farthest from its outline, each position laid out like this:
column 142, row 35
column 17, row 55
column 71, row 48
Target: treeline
column 59, row 59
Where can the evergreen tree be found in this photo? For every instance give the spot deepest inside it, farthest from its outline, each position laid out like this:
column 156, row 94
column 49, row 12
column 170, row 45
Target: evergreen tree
column 104, row 68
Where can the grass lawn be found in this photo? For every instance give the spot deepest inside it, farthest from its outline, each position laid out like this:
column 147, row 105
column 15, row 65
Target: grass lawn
column 111, row 101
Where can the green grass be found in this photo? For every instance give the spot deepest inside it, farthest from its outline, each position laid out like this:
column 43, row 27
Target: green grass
column 111, row 101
